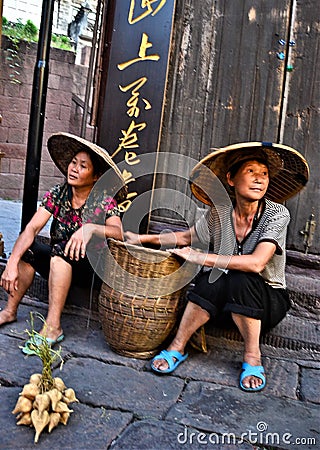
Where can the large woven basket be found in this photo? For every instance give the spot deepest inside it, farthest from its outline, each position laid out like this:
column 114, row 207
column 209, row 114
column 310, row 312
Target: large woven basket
column 140, row 298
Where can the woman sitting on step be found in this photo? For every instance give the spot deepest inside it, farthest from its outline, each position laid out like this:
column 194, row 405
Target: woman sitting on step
column 80, row 215
column 244, row 270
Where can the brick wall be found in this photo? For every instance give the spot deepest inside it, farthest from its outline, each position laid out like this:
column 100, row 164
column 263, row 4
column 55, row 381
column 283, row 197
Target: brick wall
column 62, row 114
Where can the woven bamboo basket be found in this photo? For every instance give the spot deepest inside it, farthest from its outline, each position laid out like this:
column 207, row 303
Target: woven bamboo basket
column 141, row 297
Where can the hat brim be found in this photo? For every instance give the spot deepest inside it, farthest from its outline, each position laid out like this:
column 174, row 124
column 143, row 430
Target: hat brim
column 289, row 171
column 64, row 146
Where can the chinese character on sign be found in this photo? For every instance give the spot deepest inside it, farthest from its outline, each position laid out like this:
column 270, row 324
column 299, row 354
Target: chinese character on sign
column 142, row 55
column 150, row 6
column 132, row 103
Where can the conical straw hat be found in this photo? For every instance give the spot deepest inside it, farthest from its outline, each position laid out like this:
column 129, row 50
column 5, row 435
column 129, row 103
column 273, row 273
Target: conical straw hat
column 64, row 146
column 288, row 169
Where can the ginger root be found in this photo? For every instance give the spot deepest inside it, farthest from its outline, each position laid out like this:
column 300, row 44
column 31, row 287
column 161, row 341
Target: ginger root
column 46, row 409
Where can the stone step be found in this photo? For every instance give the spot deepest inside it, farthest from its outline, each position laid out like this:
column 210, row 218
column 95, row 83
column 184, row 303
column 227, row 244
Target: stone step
column 299, row 330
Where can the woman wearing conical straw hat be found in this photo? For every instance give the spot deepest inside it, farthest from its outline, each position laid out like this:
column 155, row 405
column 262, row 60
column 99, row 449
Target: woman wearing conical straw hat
column 77, row 215
column 244, row 269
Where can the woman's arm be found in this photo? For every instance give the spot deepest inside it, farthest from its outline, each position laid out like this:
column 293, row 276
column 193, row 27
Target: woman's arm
column 76, row 246
column 9, row 277
column 168, row 239
column 254, row 262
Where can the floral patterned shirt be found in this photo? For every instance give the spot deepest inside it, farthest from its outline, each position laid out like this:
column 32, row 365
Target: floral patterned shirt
column 66, row 219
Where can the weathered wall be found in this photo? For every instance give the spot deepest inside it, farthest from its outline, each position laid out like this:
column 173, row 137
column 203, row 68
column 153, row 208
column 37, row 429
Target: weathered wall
column 66, row 82
column 227, row 84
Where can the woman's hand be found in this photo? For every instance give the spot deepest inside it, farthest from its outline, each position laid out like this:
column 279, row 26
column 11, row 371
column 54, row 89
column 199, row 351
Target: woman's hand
column 9, row 278
column 132, row 238
column 190, row 255
column 76, row 246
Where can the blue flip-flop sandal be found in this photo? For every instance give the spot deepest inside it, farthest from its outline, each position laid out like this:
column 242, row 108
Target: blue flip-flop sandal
column 29, row 346
column 172, row 357
column 252, row 371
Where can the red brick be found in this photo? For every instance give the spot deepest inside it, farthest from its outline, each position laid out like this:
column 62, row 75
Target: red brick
column 58, row 97
column 16, row 136
column 25, row 91
column 14, row 150
column 11, row 89
column 11, row 194
column 54, row 81
column 11, row 181
column 3, row 134
column 15, row 120
column 54, row 126
column 17, row 166
column 47, row 183
column 52, row 112
column 67, row 84
column 63, row 69
column 47, row 168
column 14, row 104
column 5, row 165
column 65, row 113
column 30, row 63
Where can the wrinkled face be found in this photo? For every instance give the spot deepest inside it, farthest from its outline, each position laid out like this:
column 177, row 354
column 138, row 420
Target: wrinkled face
column 81, row 171
column 251, row 180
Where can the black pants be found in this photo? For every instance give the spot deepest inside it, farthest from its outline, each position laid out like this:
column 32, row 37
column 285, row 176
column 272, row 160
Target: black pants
column 39, row 256
column 242, row 293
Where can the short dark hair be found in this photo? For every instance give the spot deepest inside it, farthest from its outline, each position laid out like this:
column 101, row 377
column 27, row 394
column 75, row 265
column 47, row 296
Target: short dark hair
column 98, row 168
column 236, row 166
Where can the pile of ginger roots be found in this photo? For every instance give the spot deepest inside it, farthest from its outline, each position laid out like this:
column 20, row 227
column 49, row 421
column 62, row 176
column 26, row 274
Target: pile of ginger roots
column 40, row 409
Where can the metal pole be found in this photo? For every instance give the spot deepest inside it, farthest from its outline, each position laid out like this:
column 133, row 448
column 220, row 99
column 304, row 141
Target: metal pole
column 37, row 114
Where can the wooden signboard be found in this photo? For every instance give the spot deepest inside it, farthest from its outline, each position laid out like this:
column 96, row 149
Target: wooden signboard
column 135, row 81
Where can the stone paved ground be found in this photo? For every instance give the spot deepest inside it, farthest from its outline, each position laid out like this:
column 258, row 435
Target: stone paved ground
column 123, row 405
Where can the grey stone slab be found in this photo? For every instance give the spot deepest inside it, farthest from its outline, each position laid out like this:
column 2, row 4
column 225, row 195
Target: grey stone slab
column 165, row 435
column 83, row 341
column 15, row 368
column 258, row 418
column 310, row 382
column 282, row 378
column 223, row 367
column 217, row 366
column 88, row 427
column 120, row 387
column 18, row 329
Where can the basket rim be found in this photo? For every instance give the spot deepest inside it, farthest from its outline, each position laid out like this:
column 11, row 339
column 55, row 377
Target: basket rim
column 140, row 248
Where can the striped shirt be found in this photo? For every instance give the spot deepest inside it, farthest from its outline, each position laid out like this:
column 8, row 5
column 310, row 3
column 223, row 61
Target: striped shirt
column 215, row 228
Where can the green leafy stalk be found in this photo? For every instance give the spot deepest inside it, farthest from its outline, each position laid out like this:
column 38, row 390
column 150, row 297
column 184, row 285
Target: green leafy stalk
column 42, row 349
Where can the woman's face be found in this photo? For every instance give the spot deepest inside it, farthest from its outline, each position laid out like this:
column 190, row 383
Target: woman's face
column 81, row 171
column 251, row 181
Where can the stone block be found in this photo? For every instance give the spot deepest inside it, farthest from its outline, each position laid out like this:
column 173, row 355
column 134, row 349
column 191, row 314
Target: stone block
column 57, row 97
column 15, row 105
column 138, row 392
column 3, row 133
column 260, row 419
column 17, row 151
column 10, row 181
column 52, row 112
column 25, row 91
column 65, row 113
column 15, row 119
column 47, row 168
column 16, row 136
column 54, row 126
column 17, row 166
column 309, row 389
column 54, row 81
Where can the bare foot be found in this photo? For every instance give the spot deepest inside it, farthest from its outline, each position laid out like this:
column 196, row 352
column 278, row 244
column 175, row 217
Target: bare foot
column 252, row 381
column 7, row 317
column 162, row 364
column 51, row 333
